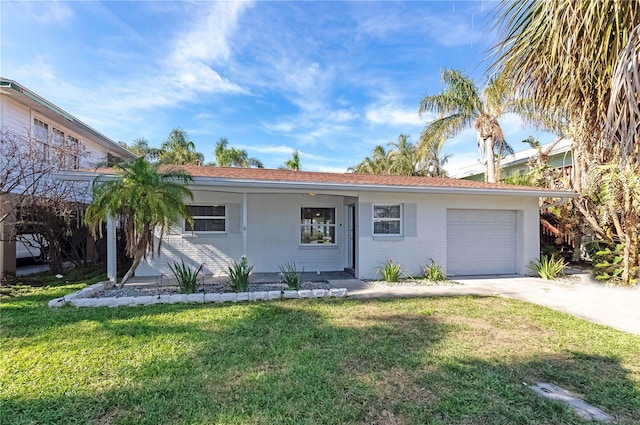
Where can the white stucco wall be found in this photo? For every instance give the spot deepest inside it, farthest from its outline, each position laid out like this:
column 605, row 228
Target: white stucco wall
column 273, row 233
column 273, row 236
column 431, row 240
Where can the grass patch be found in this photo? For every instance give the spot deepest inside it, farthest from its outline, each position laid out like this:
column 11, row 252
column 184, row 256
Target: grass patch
column 401, row 361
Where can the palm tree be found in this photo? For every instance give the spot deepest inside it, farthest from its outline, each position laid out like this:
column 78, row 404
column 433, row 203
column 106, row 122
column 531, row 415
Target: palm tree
column 146, row 198
column 461, row 105
column 434, row 161
column 377, row 163
column 403, row 158
column 234, row 157
column 588, row 77
column 293, row 163
column 140, row 147
column 178, row 150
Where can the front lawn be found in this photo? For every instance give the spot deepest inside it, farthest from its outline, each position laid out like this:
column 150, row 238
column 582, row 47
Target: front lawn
column 462, row 360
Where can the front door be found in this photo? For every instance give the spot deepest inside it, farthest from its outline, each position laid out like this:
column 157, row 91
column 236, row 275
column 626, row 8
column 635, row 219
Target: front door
column 351, row 229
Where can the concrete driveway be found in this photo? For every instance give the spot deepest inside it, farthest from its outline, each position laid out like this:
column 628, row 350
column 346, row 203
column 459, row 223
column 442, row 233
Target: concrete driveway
column 578, row 296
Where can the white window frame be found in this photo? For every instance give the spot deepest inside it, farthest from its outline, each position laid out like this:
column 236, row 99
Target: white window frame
column 72, row 144
column 208, row 217
column 334, row 225
column 399, row 219
column 41, row 135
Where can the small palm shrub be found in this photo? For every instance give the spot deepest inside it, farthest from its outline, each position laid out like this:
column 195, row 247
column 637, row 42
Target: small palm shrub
column 548, row 268
column 433, row 272
column 239, row 275
column 390, row 271
column 187, row 277
column 290, row 275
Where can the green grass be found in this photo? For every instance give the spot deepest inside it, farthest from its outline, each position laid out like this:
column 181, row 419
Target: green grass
column 459, row 360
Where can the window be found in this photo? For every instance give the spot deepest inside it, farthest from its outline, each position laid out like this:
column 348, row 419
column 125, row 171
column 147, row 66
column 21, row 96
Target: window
column 207, row 218
column 387, row 220
column 41, row 134
column 73, row 152
column 58, row 136
column 317, row 225
column 40, row 130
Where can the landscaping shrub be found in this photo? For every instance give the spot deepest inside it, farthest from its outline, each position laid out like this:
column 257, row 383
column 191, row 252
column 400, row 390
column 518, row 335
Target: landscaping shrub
column 239, row 275
column 390, row 271
column 433, row 272
column 290, row 275
column 187, row 277
column 548, row 268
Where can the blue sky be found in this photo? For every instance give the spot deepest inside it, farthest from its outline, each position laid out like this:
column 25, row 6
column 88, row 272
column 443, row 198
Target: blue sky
column 330, row 79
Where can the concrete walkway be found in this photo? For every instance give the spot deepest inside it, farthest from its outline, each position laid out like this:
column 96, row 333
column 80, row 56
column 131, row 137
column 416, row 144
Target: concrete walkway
column 579, row 296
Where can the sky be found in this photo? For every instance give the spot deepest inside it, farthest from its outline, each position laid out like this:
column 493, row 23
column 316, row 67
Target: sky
column 329, row 79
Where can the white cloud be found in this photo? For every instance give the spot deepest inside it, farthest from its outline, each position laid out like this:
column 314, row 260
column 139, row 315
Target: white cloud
column 48, row 12
column 392, row 114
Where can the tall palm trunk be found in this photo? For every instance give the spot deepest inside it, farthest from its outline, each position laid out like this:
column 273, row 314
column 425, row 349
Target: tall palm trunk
column 491, row 163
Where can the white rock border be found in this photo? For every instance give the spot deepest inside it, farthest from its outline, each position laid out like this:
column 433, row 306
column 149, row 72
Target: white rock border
column 83, row 297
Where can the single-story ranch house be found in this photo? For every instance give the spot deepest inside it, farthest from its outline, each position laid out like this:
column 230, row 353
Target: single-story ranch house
column 331, row 221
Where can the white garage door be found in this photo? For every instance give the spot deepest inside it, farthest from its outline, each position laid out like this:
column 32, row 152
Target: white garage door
column 481, row 242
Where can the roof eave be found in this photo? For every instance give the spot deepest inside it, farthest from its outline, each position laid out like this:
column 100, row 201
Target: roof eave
column 350, row 187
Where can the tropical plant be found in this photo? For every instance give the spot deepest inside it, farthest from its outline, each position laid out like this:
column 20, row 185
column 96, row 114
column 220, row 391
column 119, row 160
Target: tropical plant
column 146, row 198
column 377, row 163
column 462, row 105
column 390, row 271
column 188, row 278
column 548, row 268
column 291, row 276
column 293, row 163
column 433, row 159
column 433, row 272
column 239, row 275
column 140, row 147
column 588, row 79
column 401, row 159
column 233, row 157
column 178, row 150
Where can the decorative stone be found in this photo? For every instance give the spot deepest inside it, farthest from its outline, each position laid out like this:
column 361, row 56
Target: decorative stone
column 319, row 293
column 258, row 295
column 338, row 292
column 164, row 299
column 212, row 298
column 274, row 295
column 290, row 294
column 145, row 300
column 229, row 297
column 305, row 293
column 584, row 410
column 242, row 296
column 195, row 298
column 57, row 302
column 88, row 302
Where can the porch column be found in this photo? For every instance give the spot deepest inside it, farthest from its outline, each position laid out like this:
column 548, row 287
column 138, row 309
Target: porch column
column 245, row 239
column 111, row 250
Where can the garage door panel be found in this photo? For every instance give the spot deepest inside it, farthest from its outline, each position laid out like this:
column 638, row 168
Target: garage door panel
column 481, row 242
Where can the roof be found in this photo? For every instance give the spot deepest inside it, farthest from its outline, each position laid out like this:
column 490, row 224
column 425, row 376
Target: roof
column 521, row 157
column 32, row 100
column 305, row 180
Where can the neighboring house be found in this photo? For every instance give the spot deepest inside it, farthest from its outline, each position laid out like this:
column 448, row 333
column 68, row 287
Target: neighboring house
column 330, row 221
column 560, row 156
column 25, row 115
